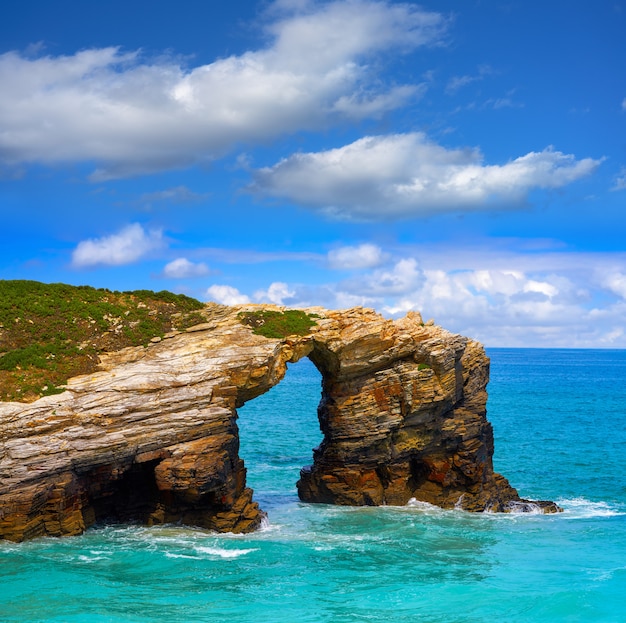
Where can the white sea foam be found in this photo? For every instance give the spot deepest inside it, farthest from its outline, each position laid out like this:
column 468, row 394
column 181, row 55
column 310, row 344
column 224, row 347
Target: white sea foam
column 423, row 506
column 92, row 558
column 581, row 508
column 171, row 555
column 267, row 526
column 220, row 552
column 574, row 508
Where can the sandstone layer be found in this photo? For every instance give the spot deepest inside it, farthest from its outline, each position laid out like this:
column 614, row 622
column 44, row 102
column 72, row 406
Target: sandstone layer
column 152, row 436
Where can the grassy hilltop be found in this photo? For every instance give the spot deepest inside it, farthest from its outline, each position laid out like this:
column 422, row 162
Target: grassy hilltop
column 51, row 332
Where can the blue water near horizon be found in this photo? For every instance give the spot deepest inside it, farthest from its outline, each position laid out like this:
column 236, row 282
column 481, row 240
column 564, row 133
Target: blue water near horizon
column 558, row 418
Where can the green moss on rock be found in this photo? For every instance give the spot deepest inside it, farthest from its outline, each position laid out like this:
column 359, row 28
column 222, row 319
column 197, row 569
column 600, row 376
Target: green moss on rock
column 278, row 325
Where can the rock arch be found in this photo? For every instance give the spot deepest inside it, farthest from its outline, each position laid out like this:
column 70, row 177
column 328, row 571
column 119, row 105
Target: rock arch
column 153, row 435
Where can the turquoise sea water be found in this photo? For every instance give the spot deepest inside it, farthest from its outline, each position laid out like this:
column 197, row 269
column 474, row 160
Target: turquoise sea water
column 558, row 417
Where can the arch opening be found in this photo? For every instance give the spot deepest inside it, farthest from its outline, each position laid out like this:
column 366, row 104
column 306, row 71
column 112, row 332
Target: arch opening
column 278, row 432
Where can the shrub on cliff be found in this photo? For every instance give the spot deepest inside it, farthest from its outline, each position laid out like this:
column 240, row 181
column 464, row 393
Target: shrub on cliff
column 50, row 332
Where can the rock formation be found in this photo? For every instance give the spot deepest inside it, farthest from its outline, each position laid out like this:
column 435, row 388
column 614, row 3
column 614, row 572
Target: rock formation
column 152, row 436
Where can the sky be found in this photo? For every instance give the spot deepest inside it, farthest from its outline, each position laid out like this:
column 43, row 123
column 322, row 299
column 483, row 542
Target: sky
column 465, row 159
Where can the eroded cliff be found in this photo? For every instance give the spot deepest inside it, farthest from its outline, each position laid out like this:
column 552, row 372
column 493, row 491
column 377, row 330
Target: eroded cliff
column 152, row 436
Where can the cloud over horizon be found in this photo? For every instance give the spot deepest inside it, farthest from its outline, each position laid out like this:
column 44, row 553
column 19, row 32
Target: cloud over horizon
column 501, row 298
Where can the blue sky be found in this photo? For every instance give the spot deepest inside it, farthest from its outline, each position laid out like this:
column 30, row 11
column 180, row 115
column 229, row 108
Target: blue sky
column 463, row 158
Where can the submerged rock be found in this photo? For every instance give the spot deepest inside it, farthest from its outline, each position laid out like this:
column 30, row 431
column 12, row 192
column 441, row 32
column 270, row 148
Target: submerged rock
column 152, row 436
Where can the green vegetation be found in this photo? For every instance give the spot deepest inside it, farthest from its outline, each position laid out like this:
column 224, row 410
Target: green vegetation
column 423, row 366
column 50, row 332
column 275, row 324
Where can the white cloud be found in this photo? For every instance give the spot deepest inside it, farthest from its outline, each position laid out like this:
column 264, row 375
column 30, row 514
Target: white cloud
column 177, row 194
column 343, row 300
column 374, row 105
column 495, row 281
column 624, row 104
column 276, row 293
column 620, row 180
column 134, row 116
column 538, row 295
column 505, row 308
column 129, row 245
column 540, row 299
column 182, row 268
column 457, row 82
column 402, row 175
column 507, row 283
column 404, row 276
column 616, row 283
column 351, row 258
column 226, row 295
column 541, row 287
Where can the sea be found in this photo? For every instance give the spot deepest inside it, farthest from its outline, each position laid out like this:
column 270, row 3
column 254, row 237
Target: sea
column 559, row 421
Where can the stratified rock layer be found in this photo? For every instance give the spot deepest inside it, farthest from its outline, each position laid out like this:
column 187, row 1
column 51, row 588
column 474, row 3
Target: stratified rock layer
column 152, row 437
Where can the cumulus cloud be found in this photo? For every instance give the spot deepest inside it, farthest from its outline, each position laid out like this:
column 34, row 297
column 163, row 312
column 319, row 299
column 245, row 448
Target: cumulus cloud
column 129, row 245
column 548, row 298
column 134, row 116
column 277, row 293
column 350, row 258
column 403, row 277
column 182, row 268
column 226, row 295
column 403, row 175
column 503, row 307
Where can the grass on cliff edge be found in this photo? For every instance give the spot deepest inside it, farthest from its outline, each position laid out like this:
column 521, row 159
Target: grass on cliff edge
column 51, row 332
column 275, row 324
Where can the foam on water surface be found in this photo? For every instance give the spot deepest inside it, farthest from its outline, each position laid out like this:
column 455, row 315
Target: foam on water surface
column 220, row 552
column 581, row 508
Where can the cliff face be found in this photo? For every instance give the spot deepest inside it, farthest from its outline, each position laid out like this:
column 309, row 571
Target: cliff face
column 153, row 437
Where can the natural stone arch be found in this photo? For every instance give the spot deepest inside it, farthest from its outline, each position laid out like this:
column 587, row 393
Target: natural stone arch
column 402, row 413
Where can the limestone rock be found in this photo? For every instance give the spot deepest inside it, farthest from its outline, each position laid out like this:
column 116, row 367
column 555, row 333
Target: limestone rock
column 152, row 436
